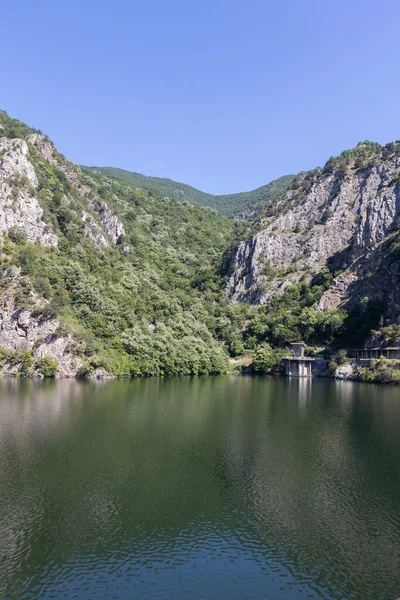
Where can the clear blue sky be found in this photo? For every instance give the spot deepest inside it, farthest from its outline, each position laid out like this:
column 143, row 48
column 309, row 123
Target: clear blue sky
column 221, row 94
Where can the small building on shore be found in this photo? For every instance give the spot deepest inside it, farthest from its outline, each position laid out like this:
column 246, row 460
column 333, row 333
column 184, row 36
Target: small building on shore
column 298, row 365
column 391, row 352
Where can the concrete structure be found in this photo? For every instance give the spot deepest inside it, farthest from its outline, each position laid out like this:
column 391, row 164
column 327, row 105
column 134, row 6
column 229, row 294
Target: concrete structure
column 368, row 353
column 298, row 365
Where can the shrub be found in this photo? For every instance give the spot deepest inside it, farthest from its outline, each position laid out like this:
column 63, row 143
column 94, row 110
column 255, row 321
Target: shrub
column 47, row 366
column 341, row 357
column 380, row 371
column 268, row 359
column 17, row 235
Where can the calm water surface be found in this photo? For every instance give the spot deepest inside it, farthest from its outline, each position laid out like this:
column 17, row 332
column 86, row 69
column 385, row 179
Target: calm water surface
column 214, row 487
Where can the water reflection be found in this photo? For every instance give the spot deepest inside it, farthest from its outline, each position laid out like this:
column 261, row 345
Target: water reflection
column 199, row 487
column 302, row 389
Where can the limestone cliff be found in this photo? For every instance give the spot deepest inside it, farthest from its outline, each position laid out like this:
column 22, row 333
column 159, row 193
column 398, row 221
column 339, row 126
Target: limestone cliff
column 109, row 221
column 24, row 329
column 98, row 277
column 341, row 217
column 22, row 216
column 19, row 206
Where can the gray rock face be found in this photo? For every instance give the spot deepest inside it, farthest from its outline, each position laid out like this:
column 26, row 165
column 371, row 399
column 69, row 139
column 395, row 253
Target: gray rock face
column 93, row 230
column 345, row 371
column 19, row 207
column 108, row 220
column 20, row 330
column 14, row 160
column 59, row 348
column 338, row 291
column 340, row 215
column 21, row 210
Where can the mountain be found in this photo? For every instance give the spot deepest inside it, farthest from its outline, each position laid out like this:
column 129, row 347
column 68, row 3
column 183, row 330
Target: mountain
column 244, row 204
column 102, row 278
column 331, row 242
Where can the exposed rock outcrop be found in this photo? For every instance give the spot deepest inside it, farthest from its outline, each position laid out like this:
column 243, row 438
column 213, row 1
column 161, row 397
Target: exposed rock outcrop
column 23, row 330
column 346, row 371
column 375, row 275
column 109, row 221
column 337, row 217
column 59, row 347
column 93, row 230
column 19, row 207
column 21, row 216
column 14, row 160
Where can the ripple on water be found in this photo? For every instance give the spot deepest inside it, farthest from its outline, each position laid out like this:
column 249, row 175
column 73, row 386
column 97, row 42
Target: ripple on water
column 199, row 488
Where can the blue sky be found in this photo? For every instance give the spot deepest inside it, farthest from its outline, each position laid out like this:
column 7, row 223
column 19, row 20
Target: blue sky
column 220, row 94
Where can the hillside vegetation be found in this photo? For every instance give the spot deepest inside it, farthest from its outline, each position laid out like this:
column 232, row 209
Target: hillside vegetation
column 101, row 277
column 244, row 204
column 147, row 302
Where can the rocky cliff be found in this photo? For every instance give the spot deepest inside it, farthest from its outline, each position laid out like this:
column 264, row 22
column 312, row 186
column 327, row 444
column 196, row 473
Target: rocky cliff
column 98, row 277
column 19, row 205
column 22, row 328
column 102, row 217
column 25, row 335
column 344, row 217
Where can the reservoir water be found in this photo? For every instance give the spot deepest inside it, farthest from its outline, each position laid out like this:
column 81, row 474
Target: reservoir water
column 212, row 487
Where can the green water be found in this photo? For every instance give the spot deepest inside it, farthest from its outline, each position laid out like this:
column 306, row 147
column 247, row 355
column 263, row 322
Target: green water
column 214, row 487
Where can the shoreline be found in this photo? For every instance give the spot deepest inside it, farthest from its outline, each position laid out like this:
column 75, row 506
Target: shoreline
column 343, row 373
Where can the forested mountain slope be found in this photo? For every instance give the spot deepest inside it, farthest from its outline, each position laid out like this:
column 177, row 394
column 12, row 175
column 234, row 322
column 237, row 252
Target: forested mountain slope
column 99, row 277
column 244, row 204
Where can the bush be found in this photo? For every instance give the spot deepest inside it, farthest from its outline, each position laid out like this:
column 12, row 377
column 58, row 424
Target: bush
column 268, row 359
column 341, row 357
column 17, row 235
column 47, row 366
column 380, row 371
column 23, row 359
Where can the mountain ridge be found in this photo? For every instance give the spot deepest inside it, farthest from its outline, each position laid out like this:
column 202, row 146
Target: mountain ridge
column 241, row 204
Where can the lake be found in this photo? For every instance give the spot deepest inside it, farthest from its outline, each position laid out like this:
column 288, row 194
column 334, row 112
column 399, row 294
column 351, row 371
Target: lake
column 210, row 487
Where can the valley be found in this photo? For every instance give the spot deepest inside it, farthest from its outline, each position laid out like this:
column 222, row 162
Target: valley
column 106, row 273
